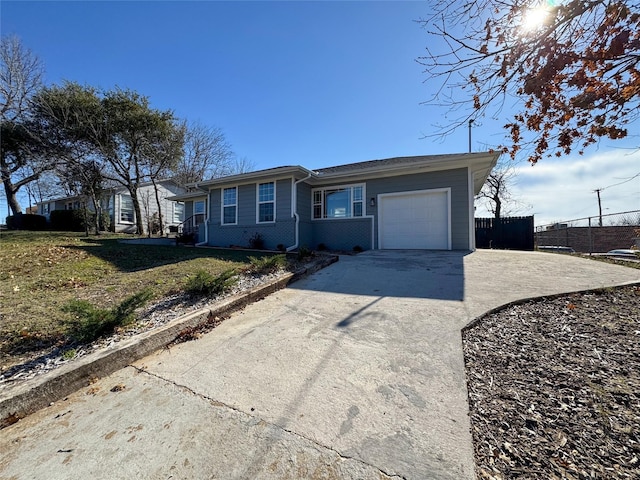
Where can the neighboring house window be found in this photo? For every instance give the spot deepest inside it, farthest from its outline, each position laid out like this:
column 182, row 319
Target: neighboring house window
column 338, row 202
column 266, row 202
column 178, row 212
column 126, row 209
column 45, row 208
column 230, row 206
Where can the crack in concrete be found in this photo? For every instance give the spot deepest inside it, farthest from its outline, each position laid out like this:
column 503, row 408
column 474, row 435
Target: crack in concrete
column 280, row 427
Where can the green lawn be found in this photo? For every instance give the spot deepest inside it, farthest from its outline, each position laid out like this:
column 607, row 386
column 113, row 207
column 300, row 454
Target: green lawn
column 41, row 272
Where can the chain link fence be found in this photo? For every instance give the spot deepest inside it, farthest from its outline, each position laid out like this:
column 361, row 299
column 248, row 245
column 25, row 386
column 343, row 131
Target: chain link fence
column 598, row 234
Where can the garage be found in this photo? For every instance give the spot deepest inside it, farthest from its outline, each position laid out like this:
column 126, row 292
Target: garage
column 415, row 220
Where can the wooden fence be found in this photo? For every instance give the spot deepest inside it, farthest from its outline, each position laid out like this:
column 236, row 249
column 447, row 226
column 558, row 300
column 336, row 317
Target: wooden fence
column 508, row 233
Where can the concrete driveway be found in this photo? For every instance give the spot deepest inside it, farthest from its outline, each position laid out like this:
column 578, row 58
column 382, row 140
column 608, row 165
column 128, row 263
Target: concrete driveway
column 355, row 372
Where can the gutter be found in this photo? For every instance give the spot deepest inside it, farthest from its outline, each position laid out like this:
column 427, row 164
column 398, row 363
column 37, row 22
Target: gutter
column 294, row 205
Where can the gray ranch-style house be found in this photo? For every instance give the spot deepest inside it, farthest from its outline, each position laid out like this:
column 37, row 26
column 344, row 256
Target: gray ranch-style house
column 420, row 202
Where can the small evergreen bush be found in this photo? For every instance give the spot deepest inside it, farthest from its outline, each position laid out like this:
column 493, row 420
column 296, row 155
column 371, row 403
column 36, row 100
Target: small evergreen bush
column 304, row 253
column 256, row 241
column 268, row 264
column 90, row 322
column 205, row 284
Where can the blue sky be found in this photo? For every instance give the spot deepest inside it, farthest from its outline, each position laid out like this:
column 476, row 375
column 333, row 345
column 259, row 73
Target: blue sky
column 309, row 83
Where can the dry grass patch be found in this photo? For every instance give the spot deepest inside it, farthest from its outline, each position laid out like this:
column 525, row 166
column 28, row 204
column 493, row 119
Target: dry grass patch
column 42, row 272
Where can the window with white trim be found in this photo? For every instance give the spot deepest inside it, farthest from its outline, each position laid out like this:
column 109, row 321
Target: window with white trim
column 266, row 202
column 338, row 202
column 198, row 207
column 178, row 212
column 126, row 209
column 230, row 206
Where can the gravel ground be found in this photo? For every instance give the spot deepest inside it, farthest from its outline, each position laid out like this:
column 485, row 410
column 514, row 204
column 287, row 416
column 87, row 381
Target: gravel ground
column 554, row 388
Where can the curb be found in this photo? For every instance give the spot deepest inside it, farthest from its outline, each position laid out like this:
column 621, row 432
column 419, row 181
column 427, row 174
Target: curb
column 552, row 296
column 40, row 391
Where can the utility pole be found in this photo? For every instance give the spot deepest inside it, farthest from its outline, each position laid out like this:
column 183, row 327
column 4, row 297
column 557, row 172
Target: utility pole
column 598, row 190
column 470, row 123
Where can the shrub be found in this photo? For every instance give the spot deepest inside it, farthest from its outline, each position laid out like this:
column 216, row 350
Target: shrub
column 90, row 322
column 256, row 241
column 322, row 247
column 105, row 221
column 26, row 221
column 75, row 221
column 153, row 224
column 358, row 249
column 186, row 238
column 304, row 253
column 269, row 264
column 281, row 248
column 203, row 283
column 67, row 220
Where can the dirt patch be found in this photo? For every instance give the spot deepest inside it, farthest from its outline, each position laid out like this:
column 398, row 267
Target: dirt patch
column 554, row 388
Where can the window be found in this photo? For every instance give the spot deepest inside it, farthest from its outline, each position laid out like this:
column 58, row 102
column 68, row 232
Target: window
column 230, row 206
column 45, row 208
column 178, row 212
column 338, row 202
column 266, row 202
column 198, row 207
column 126, row 209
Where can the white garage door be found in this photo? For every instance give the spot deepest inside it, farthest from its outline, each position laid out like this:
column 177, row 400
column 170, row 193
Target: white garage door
column 414, row 220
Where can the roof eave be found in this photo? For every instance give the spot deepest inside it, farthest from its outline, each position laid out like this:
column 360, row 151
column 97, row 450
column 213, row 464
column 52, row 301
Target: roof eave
column 478, row 162
column 251, row 176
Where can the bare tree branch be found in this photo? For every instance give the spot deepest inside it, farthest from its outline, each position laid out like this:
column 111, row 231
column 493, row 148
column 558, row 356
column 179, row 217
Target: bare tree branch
column 575, row 76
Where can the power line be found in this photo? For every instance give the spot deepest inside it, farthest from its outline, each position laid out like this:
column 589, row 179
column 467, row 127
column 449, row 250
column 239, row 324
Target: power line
column 621, row 183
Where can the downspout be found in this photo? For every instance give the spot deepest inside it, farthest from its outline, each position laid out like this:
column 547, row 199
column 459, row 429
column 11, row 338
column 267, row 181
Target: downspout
column 294, row 208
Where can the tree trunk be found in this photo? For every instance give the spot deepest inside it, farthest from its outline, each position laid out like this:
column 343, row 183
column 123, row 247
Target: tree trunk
column 97, row 209
column 86, row 218
column 160, row 220
column 498, row 203
column 10, row 193
column 133, row 191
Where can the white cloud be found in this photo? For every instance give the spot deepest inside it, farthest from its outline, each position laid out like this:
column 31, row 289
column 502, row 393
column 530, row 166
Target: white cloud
column 563, row 190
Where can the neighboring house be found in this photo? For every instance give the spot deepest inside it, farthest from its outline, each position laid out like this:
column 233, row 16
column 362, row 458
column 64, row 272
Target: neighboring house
column 423, row 202
column 117, row 201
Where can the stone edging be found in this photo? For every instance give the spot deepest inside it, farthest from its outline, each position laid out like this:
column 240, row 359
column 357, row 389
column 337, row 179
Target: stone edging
column 552, row 296
column 39, row 392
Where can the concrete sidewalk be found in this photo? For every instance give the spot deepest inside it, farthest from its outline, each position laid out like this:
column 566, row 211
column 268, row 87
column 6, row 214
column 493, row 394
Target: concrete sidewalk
column 353, row 372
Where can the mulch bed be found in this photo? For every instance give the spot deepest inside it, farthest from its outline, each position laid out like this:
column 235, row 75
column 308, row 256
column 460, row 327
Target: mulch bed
column 554, row 388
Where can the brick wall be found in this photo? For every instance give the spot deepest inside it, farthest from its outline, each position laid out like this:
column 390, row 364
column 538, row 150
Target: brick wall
column 589, row 239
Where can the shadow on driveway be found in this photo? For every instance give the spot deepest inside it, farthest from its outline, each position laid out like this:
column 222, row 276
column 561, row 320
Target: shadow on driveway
column 437, row 275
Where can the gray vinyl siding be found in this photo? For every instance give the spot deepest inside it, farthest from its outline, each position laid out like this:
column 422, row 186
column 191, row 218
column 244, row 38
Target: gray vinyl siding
column 282, row 232
column 335, row 234
column 344, row 234
column 456, row 179
column 188, row 209
column 305, row 227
